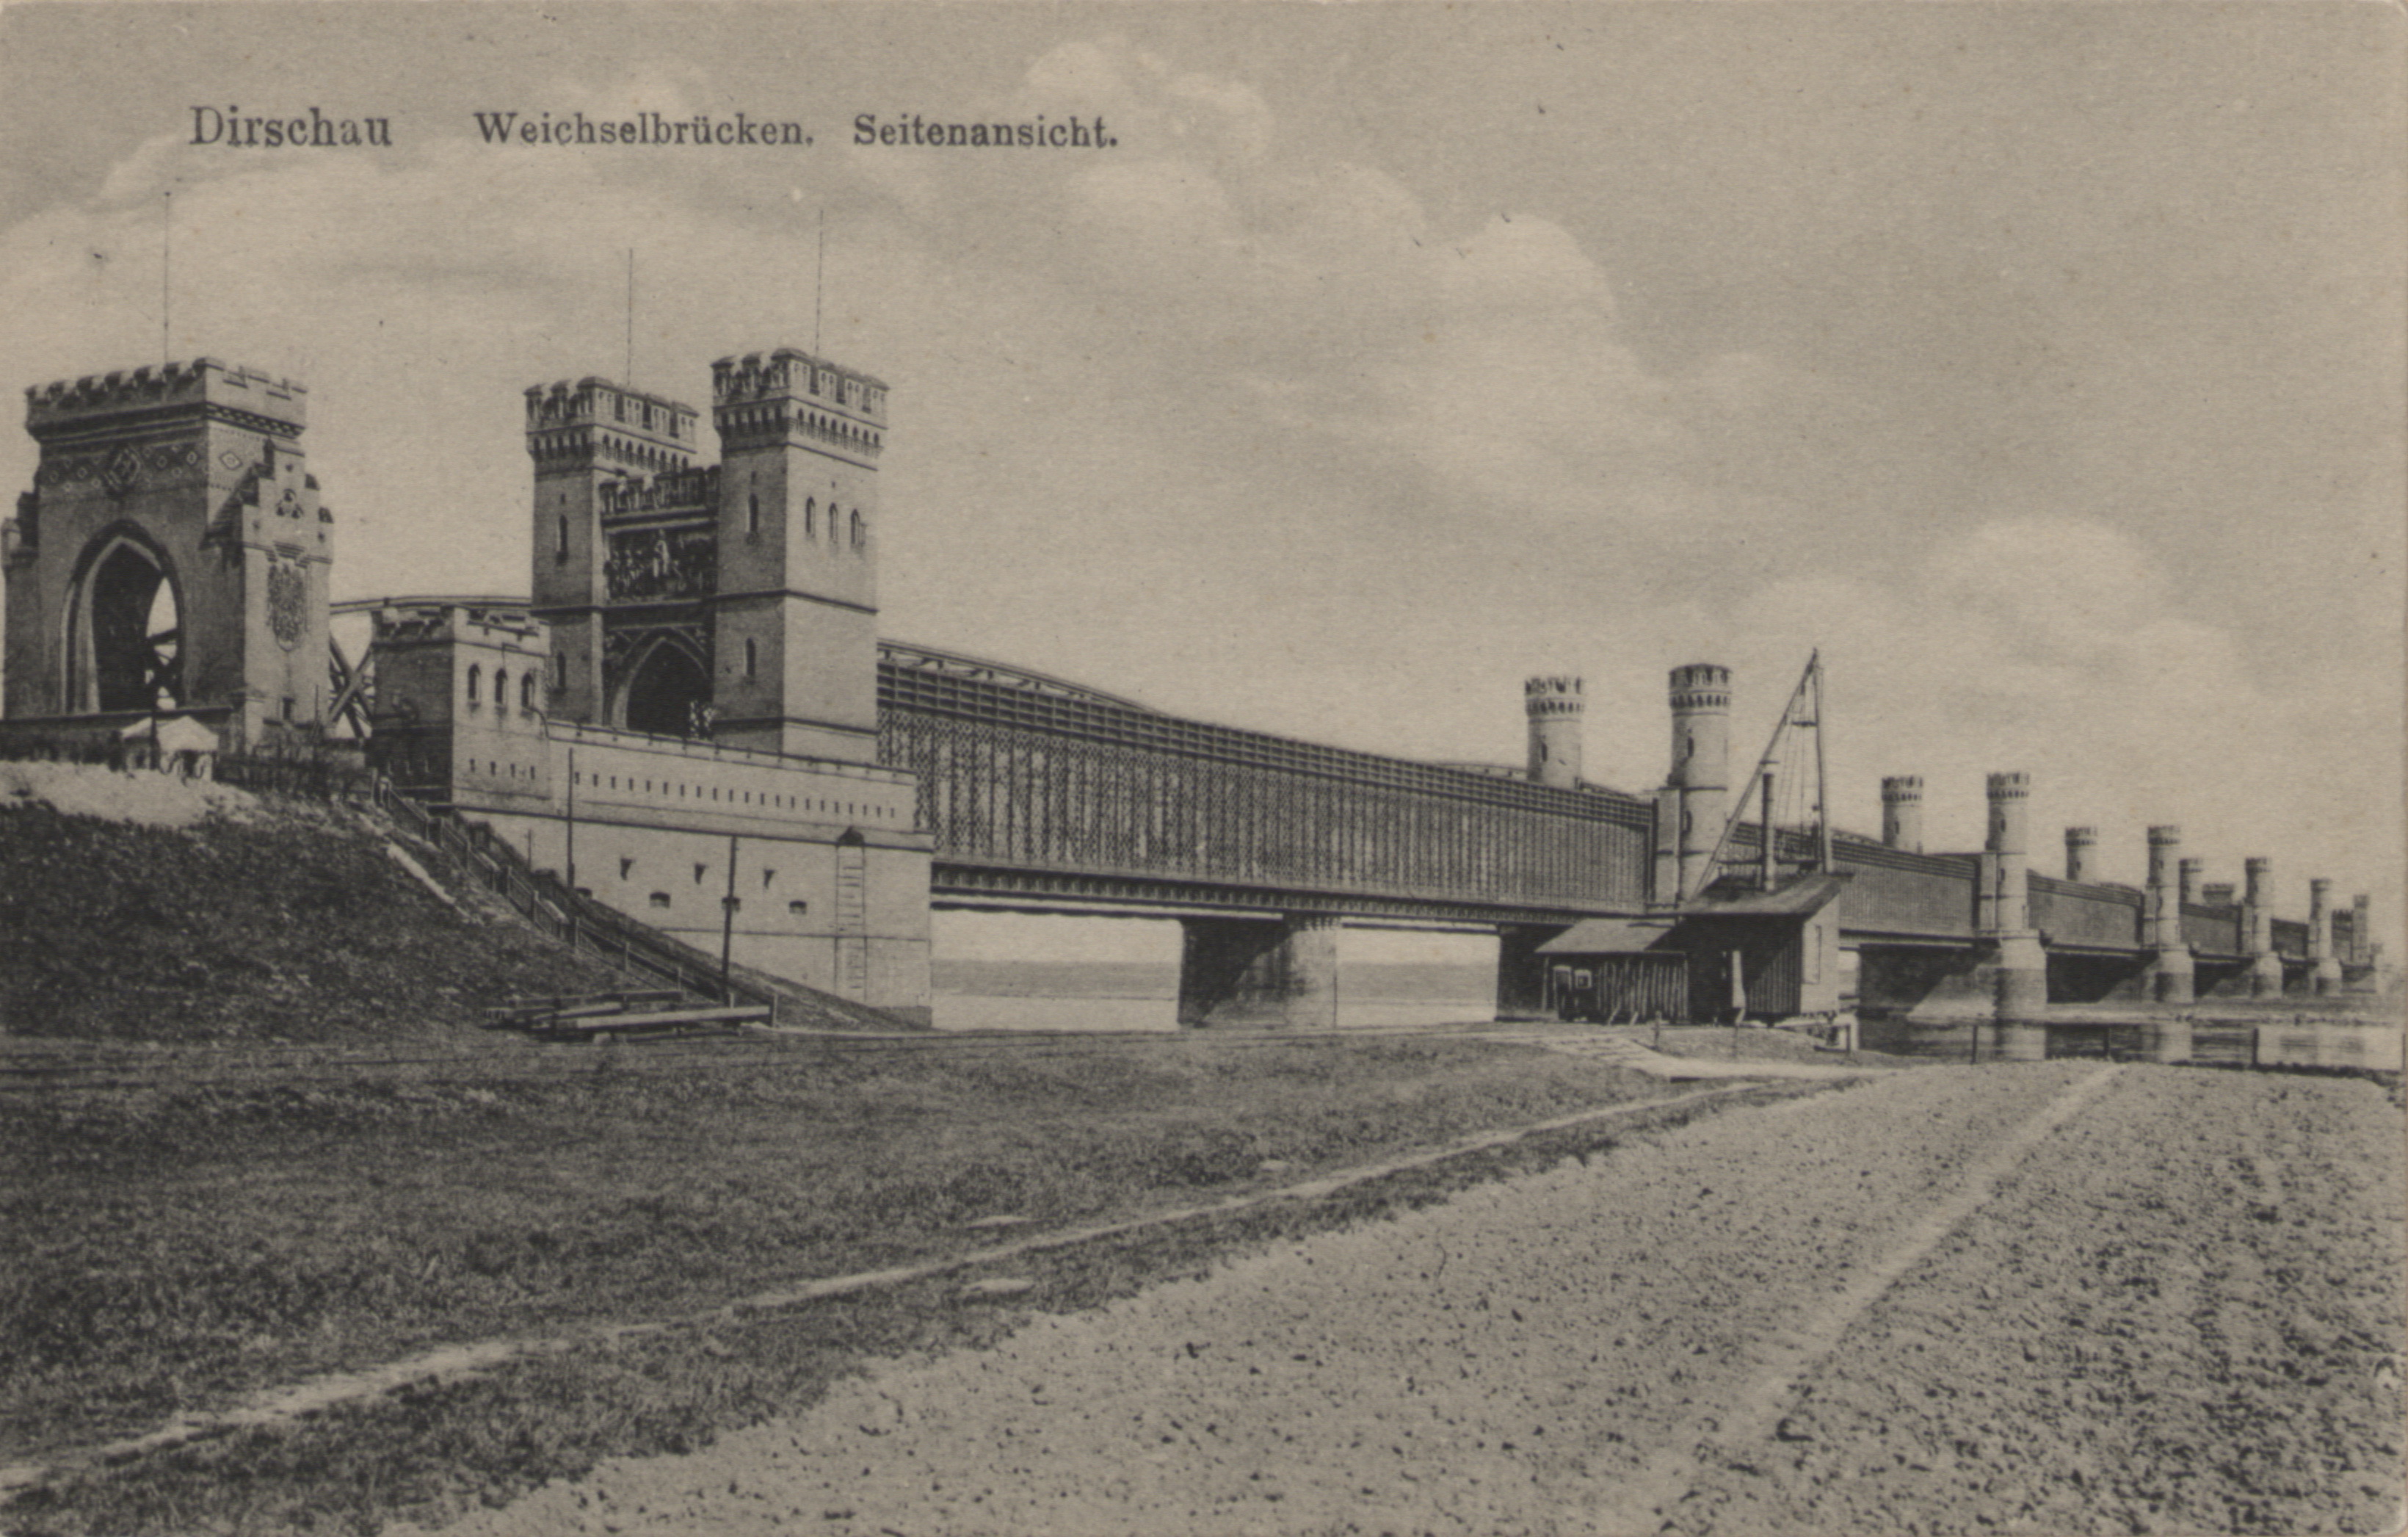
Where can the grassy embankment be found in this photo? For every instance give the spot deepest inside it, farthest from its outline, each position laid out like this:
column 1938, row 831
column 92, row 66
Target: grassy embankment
column 288, row 923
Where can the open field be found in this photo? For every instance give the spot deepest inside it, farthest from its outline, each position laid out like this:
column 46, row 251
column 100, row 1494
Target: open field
column 178, row 1249
column 2053, row 1298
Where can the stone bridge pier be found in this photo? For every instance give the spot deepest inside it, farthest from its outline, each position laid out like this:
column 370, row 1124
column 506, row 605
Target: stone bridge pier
column 1262, row 973
column 1522, row 971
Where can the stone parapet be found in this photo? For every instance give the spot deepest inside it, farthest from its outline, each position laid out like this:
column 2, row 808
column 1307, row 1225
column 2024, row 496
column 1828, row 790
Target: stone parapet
column 204, row 385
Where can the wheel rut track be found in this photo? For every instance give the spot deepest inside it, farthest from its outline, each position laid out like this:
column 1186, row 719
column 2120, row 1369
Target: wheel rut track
column 1732, row 1437
column 285, row 1404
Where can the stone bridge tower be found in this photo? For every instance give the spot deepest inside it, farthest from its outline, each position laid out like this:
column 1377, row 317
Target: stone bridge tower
column 622, row 561
column 736, row 600
column 171, row 557
column 1691, row 805
column 795, row 615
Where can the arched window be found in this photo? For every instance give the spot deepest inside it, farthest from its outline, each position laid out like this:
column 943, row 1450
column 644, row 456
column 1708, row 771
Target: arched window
column 752, row 657
column 856, row 528
column 501, row 692
column 560, row 539
column 811, row 518
column 752, row 512
column 526, row 691
column 476, row 678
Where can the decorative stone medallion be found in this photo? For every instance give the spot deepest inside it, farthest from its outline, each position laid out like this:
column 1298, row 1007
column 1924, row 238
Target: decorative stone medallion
column 124, row 468
column 288, row 600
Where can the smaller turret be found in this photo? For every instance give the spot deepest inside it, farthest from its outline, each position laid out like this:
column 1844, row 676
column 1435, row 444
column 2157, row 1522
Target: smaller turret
column 2079, row 843
column 1553, row 705
column 1902, row 812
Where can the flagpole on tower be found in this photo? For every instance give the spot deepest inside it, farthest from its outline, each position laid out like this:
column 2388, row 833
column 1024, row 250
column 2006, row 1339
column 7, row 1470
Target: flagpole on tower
column 167, row 267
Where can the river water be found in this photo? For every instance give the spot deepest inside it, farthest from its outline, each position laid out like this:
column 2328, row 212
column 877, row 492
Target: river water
column 1069, row 996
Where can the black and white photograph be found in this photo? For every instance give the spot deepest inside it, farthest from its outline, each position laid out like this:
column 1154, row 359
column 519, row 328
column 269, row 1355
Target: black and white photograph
column 1237, row 769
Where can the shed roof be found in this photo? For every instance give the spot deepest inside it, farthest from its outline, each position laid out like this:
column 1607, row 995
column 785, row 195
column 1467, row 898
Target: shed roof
column 1609, row 937
column 1801, row 897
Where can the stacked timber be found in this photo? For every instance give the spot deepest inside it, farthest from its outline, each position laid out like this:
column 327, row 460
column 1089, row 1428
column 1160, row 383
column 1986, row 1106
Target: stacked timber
column 624, row 1015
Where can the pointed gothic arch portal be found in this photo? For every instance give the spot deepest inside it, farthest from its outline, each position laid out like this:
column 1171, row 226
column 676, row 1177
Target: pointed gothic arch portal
column 124, row 630
column 662, row 692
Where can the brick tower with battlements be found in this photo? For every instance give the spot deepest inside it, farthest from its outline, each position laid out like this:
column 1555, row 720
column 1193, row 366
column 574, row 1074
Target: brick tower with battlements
column 171, row 557
column 621, row 554
column 736, row 601
column 796, row 609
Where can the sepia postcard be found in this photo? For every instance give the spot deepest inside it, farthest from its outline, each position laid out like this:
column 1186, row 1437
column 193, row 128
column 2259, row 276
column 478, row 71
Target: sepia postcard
column 1210, row 768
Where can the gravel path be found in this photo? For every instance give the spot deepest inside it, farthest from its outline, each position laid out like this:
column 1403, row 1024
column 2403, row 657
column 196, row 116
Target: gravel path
column 2053, row 1298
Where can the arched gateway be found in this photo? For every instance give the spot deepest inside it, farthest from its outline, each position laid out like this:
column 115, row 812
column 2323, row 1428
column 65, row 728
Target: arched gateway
column 172, row 556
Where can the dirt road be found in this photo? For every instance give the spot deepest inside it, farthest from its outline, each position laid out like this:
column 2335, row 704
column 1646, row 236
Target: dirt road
column 2054, row 1298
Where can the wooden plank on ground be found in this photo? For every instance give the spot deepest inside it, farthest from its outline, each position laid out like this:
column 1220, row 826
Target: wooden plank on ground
column 661, row 1019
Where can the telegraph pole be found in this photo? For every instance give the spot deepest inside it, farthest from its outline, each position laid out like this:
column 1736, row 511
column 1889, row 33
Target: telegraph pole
column 727, row 906
column 572, row 819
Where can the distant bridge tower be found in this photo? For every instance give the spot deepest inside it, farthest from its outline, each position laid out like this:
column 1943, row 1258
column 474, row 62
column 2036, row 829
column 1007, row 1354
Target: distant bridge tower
column 2172, row 970
column 1902, row 812
column 171, row 556
column 2257, row 926
column 2324, row 975
column 2004, row 903
column 797, row 606
column 1691, row 808
column 2079, row 843
column 1554, row 706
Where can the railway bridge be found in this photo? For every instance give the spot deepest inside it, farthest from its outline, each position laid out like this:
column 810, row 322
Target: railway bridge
column 1042, row 796
column 692, row 715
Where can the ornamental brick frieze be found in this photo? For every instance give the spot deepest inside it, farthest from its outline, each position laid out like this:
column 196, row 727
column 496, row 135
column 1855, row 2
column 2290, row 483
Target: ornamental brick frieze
column 123, row 469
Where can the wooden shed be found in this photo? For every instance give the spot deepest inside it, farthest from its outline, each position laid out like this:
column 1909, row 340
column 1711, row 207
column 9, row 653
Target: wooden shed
column 1617, row 970
column 1766, row 955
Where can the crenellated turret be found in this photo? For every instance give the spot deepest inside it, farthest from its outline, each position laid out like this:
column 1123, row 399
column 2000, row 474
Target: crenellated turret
column 1694, row 800
column 2079, row 844
column 2172, row 970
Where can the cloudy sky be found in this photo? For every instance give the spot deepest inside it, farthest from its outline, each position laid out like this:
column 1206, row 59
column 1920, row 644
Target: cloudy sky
column 2041, row 364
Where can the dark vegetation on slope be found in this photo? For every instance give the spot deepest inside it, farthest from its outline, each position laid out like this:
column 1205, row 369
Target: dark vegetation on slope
column 292, row 925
